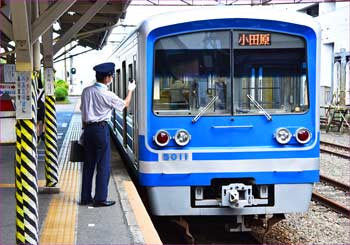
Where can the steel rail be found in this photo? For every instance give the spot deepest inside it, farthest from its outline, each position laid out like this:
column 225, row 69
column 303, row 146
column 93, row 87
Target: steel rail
column 335, row 153
column 331, row 204
column 342, row 147
column 334, row 182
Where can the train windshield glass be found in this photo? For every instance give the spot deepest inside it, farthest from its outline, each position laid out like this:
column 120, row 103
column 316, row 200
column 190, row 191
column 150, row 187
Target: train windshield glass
column 271, row 68
column 191, row 69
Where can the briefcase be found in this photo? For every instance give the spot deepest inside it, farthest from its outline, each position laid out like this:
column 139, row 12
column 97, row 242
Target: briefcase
column 76, row 152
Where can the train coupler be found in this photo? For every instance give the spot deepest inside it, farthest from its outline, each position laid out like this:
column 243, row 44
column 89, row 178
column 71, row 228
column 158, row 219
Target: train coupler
column 237, row 195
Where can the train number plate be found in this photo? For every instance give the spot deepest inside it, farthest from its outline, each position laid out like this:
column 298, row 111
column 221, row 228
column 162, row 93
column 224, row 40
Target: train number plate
column 175, row 156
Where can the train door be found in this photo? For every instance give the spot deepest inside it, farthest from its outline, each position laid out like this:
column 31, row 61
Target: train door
column 135, row 115
column 124, row 89
column 131, row 114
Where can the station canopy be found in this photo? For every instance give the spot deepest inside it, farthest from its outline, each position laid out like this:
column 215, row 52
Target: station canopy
column 95, row 33
column 88, row 22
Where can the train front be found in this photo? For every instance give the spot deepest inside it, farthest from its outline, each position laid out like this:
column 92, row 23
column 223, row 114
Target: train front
column 231, row 118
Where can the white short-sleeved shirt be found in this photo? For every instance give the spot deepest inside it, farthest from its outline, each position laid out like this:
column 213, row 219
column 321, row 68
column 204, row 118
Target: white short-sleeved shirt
column 97, row 103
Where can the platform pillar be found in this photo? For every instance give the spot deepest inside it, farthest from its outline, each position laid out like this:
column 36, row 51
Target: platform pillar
column 26, row 178
column 51, row 149
column 18, row 182
column 26, row 142
column 51, row 155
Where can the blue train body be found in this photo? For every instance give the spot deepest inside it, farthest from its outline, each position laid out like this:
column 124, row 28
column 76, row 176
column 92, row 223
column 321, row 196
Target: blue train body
column 225, row 117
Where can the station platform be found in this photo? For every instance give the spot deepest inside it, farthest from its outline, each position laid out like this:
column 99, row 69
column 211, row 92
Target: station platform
column 61, row 219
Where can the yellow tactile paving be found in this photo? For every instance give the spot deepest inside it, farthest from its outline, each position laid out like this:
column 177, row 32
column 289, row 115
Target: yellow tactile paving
column 41, row 183
column 149, row 233
column 59, row 226
column 7, row 185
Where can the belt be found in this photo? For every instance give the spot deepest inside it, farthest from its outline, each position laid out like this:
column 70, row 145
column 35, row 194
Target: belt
column 102, row 123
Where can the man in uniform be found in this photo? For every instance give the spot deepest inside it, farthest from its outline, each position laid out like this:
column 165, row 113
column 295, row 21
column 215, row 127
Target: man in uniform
column 97, row 104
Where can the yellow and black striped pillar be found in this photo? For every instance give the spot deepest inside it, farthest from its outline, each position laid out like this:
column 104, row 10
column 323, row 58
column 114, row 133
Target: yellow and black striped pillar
column 19, row 199
column 51, row 156
column 26, row 177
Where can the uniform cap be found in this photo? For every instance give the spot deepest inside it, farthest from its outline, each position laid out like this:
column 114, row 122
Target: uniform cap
column 105, row 68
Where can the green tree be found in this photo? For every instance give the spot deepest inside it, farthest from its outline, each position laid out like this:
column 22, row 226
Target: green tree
column 61, row 90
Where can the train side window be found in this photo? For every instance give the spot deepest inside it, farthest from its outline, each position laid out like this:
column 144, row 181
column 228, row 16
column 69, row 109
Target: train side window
column 123, row 87
column 131, row 77
column 118, row 81
column 130, row 72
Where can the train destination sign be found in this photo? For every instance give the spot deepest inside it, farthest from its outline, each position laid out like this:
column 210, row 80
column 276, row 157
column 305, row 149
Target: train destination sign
column 254, row 39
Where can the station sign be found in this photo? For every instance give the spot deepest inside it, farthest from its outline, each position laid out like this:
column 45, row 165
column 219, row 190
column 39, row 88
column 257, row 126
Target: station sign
column 49, row 81
column 23, row 95
column 8, row 73
column 8, row 80
column 9, row 89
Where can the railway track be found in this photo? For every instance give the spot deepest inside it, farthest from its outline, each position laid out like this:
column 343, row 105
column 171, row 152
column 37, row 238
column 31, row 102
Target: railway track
column 329, row 202
column 335, row 149
column 197, row 232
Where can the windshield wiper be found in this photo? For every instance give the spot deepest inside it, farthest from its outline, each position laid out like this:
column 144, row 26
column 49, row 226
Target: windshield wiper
column 267, row 115
column 210, row 103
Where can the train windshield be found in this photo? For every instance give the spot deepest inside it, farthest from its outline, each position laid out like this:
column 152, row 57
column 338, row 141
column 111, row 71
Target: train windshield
column 191, row 69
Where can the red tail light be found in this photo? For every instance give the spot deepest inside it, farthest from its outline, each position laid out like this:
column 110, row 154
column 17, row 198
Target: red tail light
column 162, row 138
column 303, row 135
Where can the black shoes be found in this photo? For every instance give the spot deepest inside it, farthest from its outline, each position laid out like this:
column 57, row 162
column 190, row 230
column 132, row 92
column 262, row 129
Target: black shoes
column 103, row 204
column 85, row 203
column 97, row 204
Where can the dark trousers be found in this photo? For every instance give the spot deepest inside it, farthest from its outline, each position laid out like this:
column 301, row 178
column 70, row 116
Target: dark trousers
column 97, row 154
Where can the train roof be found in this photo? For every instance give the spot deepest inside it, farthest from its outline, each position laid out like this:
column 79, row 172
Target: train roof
column 223, row 12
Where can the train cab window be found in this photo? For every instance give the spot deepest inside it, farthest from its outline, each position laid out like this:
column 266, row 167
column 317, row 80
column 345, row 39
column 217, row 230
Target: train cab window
column 190, row 71
column 236, row 70
column 269, row 68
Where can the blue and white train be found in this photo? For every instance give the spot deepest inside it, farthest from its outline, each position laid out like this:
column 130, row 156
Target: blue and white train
column 225, row 118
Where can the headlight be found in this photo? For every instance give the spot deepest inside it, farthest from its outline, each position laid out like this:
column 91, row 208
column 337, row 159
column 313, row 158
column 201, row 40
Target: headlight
column 182, row 137
column 303, row 135
column 283, row 135
column 162, row 137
